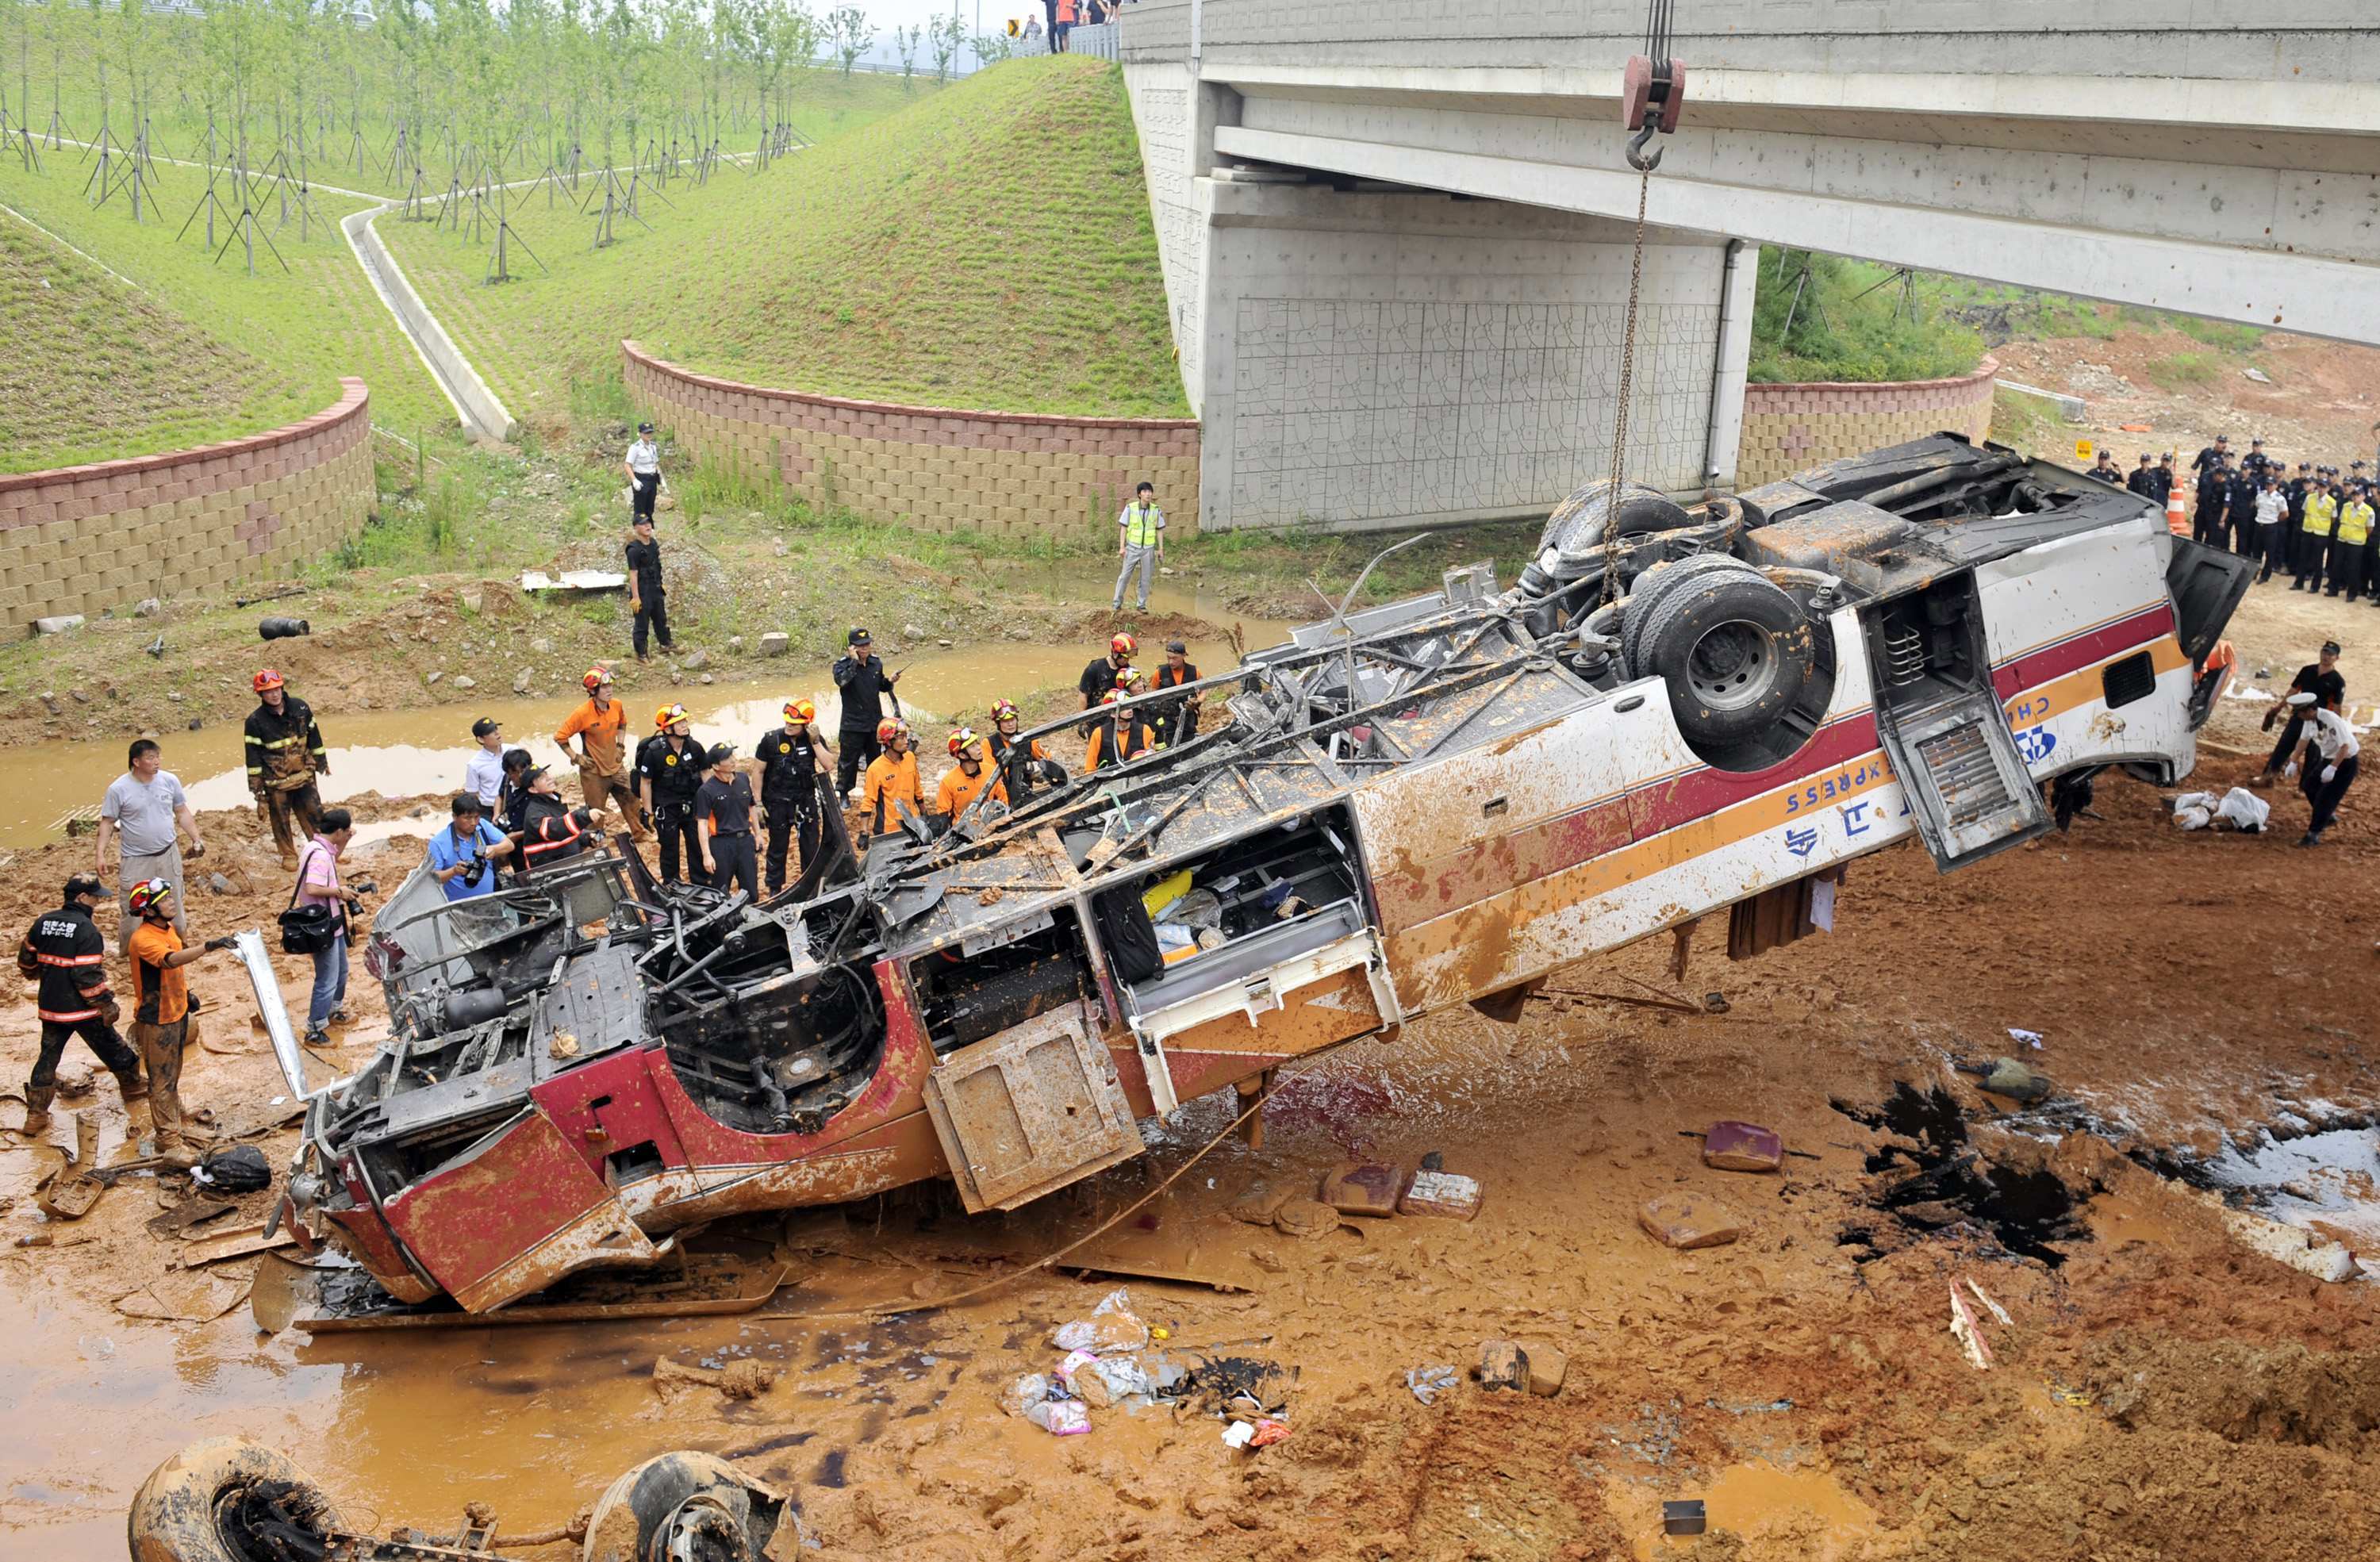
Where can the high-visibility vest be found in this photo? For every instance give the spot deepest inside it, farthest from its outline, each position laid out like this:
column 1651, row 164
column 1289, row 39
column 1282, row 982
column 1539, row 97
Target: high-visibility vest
column 2355, row 522
column 2319, row 509
column 1141, row 523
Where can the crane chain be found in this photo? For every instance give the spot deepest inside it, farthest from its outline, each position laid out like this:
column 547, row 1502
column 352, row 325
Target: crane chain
column 1620, row 420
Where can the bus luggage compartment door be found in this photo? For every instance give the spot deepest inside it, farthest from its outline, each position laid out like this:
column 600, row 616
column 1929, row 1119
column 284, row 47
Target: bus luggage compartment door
column 1027, row 1112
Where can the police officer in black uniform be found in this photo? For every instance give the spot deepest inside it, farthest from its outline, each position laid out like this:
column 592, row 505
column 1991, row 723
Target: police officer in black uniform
column 2256, row 463
column 647, row 599
column 2239, row 503
column 859, row 674
column 2207, row 518
column 2212, row 456
column 723, row 809
column 789, row 787
column 65, row 951
column 669, row 772
column 2142, row 480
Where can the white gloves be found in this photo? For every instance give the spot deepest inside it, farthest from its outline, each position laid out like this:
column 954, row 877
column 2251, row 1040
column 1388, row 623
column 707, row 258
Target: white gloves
column 2289, row 771
column 2329, row 773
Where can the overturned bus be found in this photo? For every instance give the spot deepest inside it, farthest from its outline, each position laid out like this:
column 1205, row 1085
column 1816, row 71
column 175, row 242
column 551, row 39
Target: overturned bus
column 1672, row 712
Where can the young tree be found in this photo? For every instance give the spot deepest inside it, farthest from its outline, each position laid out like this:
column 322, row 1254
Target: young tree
column 852, row 31
column 905, row 42
column 947, row 34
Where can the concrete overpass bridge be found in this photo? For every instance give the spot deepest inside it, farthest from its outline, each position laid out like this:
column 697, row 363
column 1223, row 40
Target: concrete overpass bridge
column 1395, row 234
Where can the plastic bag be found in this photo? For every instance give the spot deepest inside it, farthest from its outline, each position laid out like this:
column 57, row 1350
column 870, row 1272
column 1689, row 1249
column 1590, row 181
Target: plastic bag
column 1060, row 1418
column 241, row 1169
column 1020, row 1396
column 2193, row 819
column 1111, row 1326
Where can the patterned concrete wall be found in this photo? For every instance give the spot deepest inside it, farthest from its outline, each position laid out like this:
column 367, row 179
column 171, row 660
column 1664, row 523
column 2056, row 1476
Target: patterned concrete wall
column 1380, row 361
column 1161, row 113
column 1787, row 428
column 1021, row 474
column 85, row 540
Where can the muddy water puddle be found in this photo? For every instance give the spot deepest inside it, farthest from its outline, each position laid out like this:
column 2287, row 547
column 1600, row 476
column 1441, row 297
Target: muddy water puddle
column 404, row 1428
column 411, row 753
column 1772, row 1504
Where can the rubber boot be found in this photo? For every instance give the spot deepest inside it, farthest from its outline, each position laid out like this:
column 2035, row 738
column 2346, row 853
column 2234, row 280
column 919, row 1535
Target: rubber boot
column 37, row 1109
column 131, row 1085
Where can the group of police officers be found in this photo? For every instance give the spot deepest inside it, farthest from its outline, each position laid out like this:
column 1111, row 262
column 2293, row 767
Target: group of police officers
column 2316, row 525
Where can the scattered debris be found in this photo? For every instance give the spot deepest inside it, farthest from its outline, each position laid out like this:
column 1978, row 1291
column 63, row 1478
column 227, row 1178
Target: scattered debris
column 228, row 1246
column 2006, row 1076
column 1970, row 1338
column 196, row 1209
column 740, row 1379
column 1364, row 1188
column 1442, row 1193
column 2025, row 1038
column 1686, row 1518
column 187, row 1298
column 1729, row 1146
column 571, row 581
column 776, row 642
column 1547, row 1368
column 1111, row 1326
column 1689, row 1220
column 57, row 623
column 564, row 1045
column 1428, row 1382
column 1306, row 1219
column 1503, row 1366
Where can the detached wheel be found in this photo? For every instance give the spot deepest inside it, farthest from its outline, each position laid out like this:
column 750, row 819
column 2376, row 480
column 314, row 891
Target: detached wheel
column 228, row 1500
column 683, row 1507
column 1735, row 650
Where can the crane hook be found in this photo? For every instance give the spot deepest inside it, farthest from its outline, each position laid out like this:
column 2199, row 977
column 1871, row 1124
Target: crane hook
column 1638, row 158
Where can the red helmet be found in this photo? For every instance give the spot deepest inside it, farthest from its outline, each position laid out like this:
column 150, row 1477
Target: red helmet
column 669, row 716
column 1129, row 678
column 1123, row 645
column 800, row 710
column 597, row 677
column 1004, row 710
column 889, row 728
column 962, row 740
column 147, row 893
column 268, row 679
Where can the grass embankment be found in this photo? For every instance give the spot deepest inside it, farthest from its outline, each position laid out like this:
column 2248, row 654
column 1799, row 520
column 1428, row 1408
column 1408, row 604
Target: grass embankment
column 386, row 610
column 825, row 103
column 987, row 246
column 95, row 370
column 1849, row 320
column 313, row 323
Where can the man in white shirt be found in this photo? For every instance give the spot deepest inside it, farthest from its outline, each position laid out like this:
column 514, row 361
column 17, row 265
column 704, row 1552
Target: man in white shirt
column 138, row 816
column 2326, row 780
column 644, row 467
column 483, row 774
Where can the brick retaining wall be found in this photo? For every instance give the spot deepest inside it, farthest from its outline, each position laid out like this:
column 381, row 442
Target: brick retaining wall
column 1789, row 427
column 85, row 540
column 1020, row 474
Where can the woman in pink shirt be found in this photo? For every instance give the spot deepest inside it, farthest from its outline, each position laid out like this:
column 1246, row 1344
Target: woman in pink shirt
column 318, row 885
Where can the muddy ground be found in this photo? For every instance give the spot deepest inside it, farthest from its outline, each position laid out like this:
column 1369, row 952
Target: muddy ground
column 2159, row 1391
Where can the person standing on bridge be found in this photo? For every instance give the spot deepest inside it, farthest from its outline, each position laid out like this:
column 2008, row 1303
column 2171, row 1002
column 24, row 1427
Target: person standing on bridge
column 139, row 816
column 1063, row 24
column 646, row 597
column 284, row 754
column 643, row 465
column 1140, row 543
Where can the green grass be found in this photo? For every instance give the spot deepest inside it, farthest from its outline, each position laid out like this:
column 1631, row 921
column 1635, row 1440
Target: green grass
column 312, row 323
column 1849, row 322
column 2176, row 370
column 94, row 370
column 2023, row 423
column 990, row 245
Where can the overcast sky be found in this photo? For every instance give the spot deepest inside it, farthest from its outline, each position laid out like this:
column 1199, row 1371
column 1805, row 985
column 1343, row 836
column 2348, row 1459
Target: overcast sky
column 890, row 14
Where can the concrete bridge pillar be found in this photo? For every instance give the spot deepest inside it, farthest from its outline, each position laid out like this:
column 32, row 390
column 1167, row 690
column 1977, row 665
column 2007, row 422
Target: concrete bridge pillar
column 1364, row 357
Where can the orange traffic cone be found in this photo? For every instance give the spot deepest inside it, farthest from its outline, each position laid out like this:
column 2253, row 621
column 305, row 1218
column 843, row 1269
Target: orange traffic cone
column 2174, row 520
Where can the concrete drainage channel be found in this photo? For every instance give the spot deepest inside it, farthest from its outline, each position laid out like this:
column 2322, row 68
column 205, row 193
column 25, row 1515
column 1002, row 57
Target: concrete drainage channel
column 482, row 416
